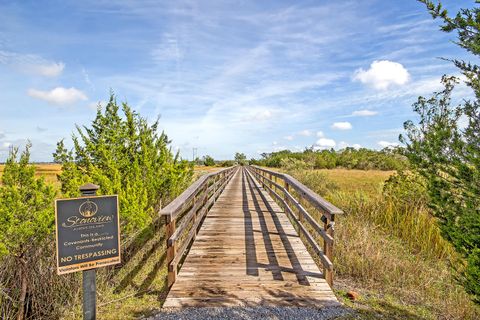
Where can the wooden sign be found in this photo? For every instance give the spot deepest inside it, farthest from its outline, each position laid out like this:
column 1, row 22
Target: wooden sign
column 88, row 233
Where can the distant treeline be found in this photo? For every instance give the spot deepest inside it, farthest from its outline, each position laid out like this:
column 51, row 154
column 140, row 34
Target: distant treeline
column 349, row 158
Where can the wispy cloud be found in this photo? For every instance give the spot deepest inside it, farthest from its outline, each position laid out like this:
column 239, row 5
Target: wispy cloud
column 225, row 78
column 32, row 64
column 364, row 113
column 305, row 133
column 167, row 50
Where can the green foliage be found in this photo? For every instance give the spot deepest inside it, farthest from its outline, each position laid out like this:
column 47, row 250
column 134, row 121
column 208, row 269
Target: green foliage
column 447, row 155
column 349, row 158
column 208, row 161
column 125, row 156
column 292, row 164
column 241, row 158
column 406, row 188
column 255, row 162
column 227, row 163
column 27, row 276
column 26, row 207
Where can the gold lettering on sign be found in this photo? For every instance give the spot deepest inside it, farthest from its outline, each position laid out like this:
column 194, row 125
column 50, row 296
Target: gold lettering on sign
column 75, row 221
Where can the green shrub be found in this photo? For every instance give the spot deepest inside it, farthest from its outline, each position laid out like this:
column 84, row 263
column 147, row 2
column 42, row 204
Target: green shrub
column 289, row 164
column 447, row 153
column 227, row 163
column 26, row 238
column 208, row 161
column 241, row 158
column 349, row 158
column 125, row 156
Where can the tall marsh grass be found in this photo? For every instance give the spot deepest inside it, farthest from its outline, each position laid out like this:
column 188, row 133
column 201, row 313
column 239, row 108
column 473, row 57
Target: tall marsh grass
column 388, row 245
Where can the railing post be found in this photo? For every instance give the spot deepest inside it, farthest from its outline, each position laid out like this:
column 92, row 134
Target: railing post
column 205, row 197
column 215, row 186
column 327, row 249
column 331, row 232
column 287, row 189
column 171, row 249
column 195, row 199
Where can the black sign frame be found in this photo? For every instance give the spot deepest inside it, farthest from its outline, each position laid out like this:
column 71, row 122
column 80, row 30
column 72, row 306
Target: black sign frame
column 95, row 238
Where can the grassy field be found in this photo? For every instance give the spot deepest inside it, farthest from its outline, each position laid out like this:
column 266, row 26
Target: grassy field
column 392, row 255
column 50, row 171
column 47, row 170
column 351, row 181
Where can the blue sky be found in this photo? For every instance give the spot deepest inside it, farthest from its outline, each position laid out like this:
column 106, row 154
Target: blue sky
column 248, row 76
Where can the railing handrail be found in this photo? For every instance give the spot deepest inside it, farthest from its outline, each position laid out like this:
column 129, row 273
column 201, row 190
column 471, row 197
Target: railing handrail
column 179, row 203
column 301, row 218
column 189, row 209
column 316, row 200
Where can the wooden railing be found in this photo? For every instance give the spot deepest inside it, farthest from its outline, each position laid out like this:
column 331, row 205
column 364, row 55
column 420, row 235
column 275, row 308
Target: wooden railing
column 184, row 215
column 311, row 229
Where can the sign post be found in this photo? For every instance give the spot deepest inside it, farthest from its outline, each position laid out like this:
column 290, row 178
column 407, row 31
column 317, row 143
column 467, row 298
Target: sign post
column 88, row 237
column 89, row 276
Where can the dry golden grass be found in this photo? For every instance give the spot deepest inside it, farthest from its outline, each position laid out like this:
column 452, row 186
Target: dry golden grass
column 394, row 256
column 397, row 278
column 51, row 170
column 368, row 181
column 47, row 170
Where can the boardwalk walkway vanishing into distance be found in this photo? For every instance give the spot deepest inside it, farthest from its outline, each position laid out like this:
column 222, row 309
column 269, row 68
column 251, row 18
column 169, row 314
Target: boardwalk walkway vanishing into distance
column 231, row 244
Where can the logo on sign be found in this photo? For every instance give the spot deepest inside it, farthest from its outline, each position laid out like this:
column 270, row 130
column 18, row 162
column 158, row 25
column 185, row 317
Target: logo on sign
column 88, row 209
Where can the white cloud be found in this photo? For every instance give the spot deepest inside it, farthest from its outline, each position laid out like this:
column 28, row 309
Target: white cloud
column 86, row 77
column 280, row 148
column 59, row 95
column 31, row 63
column 385, row 144
column 167, row 50
column 343, row 145
column 305, row 133
column 320, row 134
column 324, row 143
column 5, row 145
column 364, row 113
column 95, row 105
column 48, row 70
column 462, row 122
column 383, row 74
column 259, row 114
column 342, row 125
column 289, row 138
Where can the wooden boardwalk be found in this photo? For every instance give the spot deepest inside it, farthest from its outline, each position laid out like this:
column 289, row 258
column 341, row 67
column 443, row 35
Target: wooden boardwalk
column 247, row 253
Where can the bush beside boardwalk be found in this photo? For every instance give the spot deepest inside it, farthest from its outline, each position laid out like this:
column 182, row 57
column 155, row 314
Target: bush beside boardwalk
column 124, row 155
column 389, row 248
